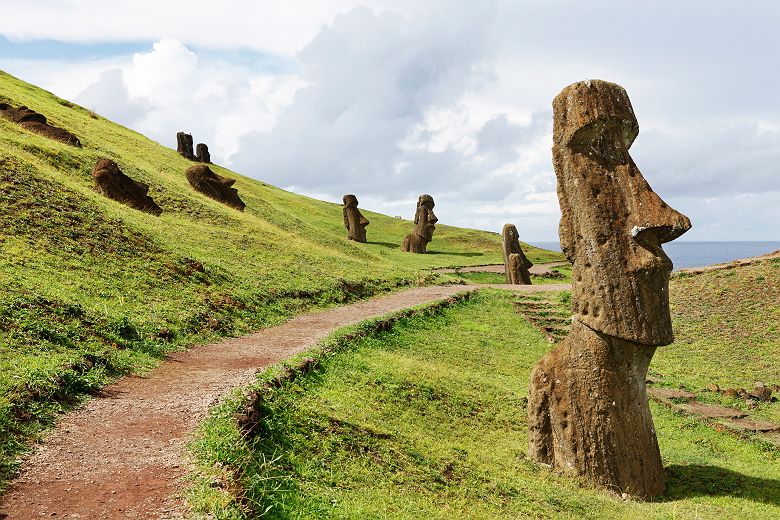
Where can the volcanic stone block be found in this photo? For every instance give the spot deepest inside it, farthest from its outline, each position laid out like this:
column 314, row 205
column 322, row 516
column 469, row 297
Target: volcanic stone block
column 35, row 122
column 516, row 271
column 202, row 153
column 354, row 221
column 424, row 225
column 112, row 183
column 184, row 146
column 215, row 186
column 587, row 411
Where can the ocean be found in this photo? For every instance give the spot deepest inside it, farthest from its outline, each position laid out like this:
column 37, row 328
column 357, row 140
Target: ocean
column 698, row 254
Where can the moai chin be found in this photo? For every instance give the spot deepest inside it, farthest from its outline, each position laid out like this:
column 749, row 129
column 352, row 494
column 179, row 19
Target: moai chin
column 587, row 409
column 516, row 271
column 424, row 225
column 354, row 221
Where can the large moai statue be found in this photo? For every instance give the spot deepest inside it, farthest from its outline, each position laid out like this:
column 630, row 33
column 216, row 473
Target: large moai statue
column 111, row 182
column 184, row 146
column 424, row 225
column 588, row 413
column 202, row 153
column 354, row 221
column 516, row 270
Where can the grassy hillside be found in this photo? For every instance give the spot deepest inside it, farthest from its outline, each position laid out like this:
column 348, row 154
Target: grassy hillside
column 428, row 420
column 91, row 288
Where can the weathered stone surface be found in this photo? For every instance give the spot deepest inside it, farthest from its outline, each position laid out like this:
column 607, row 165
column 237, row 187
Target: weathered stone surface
column 354, row 221
column 215, row 186
column 35, row 122
column 202, row 153
column 588, row 411
column 516, row 271
column 184, row 146
column 424, row 225
column 112, row 183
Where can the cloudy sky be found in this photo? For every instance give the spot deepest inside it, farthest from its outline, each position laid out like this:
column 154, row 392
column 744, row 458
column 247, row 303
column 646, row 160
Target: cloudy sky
column 391, row 98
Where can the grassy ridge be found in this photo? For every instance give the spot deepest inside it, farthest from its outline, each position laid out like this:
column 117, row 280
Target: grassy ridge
column 428, row 420
column 90, row 288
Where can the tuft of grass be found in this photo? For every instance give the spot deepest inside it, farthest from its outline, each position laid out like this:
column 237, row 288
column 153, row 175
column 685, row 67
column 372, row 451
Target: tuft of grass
column 428, row 420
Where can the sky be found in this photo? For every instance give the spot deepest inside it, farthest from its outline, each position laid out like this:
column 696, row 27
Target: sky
column 389, row 99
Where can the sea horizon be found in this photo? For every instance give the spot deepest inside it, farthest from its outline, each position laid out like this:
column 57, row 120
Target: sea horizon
column 700, row 253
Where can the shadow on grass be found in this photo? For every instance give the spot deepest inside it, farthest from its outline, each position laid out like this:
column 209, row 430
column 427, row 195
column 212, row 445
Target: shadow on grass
column 698, row 480
column 388, row 245
column 450, row 253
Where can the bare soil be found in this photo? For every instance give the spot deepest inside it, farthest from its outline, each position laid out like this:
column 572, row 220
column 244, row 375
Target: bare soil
column 122, row 455
column 538, row 269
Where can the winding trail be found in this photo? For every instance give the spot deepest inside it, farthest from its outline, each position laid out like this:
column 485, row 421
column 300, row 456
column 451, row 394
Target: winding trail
column 122, row 455
column 538, row 269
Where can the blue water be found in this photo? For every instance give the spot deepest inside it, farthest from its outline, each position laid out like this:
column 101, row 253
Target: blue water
column 699, row 254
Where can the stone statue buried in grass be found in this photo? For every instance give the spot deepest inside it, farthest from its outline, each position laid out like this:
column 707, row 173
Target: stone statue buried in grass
column 112, row 183
column 354, row 221
column 587, row 410
column 36, row 123
column 516, row 269
column 215, row 186
column 424, row 225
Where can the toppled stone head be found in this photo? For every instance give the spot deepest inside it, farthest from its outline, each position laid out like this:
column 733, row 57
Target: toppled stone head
column 215, row 186
column 202, row 153
column 112, row 183
column 516, row 270
column 354, row 221
column 184, row 146
column 612, row 223
column 35, row 122
column 424, row 225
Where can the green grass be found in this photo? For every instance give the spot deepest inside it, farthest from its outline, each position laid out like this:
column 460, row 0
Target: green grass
column 727, row 332
column 428, row 420
column 90, row 289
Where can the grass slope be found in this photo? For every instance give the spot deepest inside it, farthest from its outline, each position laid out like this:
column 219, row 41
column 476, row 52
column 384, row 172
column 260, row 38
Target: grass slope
column 90, row 288
column 428, row 420
column 727, row 332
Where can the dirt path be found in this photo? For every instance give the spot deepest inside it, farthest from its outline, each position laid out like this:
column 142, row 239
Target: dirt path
column 539, row 269
column 123, row 455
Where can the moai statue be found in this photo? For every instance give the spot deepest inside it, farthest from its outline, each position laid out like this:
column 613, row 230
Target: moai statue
column 354, row 221
column 517, row 271
column 202, row 153
column 34, row 122
column 587, row 408
column 219, row 188
column 424, row 225
column 184, row 146
column 112, row 183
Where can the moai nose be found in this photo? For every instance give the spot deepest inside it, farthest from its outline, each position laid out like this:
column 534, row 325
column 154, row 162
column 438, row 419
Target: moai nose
column 432, row 217
column 658, row 222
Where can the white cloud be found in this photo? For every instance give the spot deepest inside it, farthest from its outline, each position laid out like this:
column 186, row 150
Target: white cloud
column 447, row 97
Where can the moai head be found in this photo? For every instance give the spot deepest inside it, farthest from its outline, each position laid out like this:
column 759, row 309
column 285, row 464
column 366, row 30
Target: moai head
column 612, row 223
column 354, row 221
column 424, row 218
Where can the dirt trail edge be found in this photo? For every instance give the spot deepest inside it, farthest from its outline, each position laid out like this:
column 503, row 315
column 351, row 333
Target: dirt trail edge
column 122, row 455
